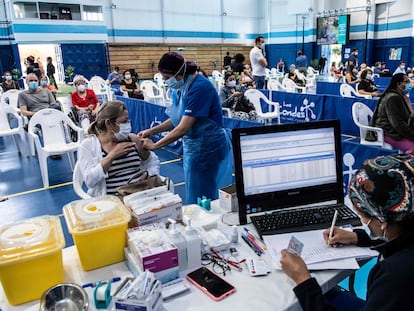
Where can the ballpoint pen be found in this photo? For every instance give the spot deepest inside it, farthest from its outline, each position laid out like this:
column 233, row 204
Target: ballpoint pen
column 331, row 231
column 254, row 242
column 246, row 239
column 93, row 284
column 257, row 239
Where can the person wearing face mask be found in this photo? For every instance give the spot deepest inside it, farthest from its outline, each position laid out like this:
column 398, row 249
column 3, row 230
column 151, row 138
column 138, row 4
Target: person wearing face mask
column 367, row 86
column 8, row 82
column 114, row 80
column 44, row 83
column 85, row 102
column 394, row 114
column 353, row 57
column 131, row 86
column 232, row 96
column 400, row 68
column 35, row 98
column 381, row 191
column 111, row 154
column 195, row 114
column 258, row 62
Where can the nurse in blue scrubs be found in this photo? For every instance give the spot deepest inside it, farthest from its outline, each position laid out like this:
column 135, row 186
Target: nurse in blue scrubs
column 195, row 115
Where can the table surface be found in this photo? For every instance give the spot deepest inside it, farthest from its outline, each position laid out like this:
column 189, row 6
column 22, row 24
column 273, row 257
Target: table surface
column 270, row 292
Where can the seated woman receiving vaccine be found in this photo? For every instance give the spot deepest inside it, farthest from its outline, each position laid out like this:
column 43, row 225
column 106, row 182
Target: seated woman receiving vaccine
column 111, row 154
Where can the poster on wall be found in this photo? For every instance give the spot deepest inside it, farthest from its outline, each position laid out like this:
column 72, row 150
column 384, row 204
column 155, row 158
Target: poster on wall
column 395, row 53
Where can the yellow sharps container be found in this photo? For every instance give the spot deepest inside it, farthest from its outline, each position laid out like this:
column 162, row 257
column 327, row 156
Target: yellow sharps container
column 30, row 258
column 98, row 227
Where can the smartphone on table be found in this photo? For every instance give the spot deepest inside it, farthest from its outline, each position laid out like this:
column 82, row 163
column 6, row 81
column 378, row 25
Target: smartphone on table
column 210, row 283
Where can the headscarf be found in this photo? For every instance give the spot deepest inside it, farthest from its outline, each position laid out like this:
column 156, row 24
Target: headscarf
column 383, row 187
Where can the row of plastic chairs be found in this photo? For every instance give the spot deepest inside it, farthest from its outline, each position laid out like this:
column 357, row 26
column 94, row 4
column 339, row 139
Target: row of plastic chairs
column 346, row 90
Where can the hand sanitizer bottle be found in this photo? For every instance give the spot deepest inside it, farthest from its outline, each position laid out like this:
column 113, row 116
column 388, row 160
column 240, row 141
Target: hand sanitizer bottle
column 193, row 241
column 179, row 241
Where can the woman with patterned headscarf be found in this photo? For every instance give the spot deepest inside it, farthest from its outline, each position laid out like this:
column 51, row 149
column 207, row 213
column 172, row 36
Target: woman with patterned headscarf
column 381, row 192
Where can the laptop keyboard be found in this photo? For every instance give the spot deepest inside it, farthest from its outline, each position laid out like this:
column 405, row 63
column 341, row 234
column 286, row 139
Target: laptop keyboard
column 304, row 219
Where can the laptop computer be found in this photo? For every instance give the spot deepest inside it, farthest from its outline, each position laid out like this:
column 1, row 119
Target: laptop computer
column 281, row 167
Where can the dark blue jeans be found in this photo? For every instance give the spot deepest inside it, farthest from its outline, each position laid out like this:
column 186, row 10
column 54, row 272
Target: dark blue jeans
column 260, row 81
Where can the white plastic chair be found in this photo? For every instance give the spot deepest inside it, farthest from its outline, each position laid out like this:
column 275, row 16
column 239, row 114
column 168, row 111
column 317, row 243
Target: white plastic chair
column 217, row 74
column 7, row 130
column 12, row 97
column 292, row 87
column 255, row 97
column 226, row 112
column 148, row 87
column 55, row 137
column 78, row 183
column 347, row 90
column 159, row 79
column 101, row 88
column 275, row 85
column 362, row 114
column 312, row 71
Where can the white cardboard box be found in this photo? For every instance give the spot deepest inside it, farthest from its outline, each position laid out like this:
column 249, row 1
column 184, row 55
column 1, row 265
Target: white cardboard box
column 228, row 198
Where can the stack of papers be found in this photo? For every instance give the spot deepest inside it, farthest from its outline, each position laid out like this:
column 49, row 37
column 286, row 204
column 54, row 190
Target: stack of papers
column 316, row 253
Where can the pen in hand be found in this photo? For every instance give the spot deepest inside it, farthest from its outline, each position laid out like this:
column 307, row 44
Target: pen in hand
column 331, row 231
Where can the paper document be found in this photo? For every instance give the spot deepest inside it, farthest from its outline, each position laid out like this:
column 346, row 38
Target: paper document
column 315, row 249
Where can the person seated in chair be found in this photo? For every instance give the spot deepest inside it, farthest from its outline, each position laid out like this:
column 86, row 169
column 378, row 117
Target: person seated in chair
column 232, row 96
column 44, row 83
column 131, row 86
column 292, row 75
column 367, row 86
column 111, row 154
column 394, row 114
column 351, row 74
column 35, row 98
column 114, row 80
column 381, row 192
column 8, row 82
column 84, row 101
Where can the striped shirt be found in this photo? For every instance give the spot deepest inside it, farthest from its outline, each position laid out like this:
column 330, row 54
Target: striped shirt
column 121, row 170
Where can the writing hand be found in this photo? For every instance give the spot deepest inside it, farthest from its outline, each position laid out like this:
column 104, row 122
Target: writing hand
column 340, row 236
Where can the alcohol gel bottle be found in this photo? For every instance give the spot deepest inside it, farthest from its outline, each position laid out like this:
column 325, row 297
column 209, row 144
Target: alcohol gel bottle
column 193, row 241
column 179, row 241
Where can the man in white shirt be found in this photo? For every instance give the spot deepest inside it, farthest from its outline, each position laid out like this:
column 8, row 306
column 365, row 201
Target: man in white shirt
column 259, row 62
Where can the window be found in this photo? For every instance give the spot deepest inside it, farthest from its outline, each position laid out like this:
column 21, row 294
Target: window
column 65, row 11
column 92, row 13
column 25, row 10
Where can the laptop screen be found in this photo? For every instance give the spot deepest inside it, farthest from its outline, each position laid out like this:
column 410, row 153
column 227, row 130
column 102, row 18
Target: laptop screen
column 287, row 165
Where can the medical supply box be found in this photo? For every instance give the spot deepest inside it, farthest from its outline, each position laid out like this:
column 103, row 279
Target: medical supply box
column 153, row 250
column 228, row 198
column 30, row 258
column 155, row 205
column 98, row 227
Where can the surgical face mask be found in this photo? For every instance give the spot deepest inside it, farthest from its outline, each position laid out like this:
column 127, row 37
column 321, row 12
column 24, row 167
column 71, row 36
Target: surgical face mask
column 370, row 233
column 411, row 75
column 231, row 83
column 262, row 46
column 408, row 88
column 172, row 81
column 367, row 229
column 8, row 78
column 127, row 77
column 33, row 85
column 115, row 72
column 402, row 67
column 369, row 76
column 124, row 131
column 43, row 83
column 81, row 88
